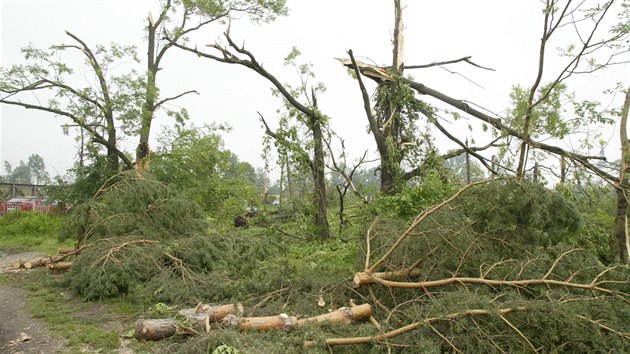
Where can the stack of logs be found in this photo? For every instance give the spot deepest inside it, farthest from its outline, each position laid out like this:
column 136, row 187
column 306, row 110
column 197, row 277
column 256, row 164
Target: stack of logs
column 52, row 262
column 230, row 315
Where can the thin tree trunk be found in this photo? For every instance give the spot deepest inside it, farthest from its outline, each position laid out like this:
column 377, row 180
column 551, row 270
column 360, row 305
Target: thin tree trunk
column 142, row 151
column 319, row 179
column 112, row 154
column 620, row 244
column 289, row 184
column 522, row 159
column 390, row 163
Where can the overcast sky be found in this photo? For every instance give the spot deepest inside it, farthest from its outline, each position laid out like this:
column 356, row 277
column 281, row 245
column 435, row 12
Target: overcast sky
column 503, row 35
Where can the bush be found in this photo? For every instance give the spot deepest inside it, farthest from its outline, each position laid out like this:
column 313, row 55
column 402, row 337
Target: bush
column 30, row 229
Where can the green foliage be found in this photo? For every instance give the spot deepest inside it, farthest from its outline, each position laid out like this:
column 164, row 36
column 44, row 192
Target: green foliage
column 596, row 204
column 195, row 163
column 30, row 230
column 415, row 198
column 503, row 230
column 531, row 214
column 258, row 10
column 125, row 228
column 88, row 179
column 547, row 116
column 225, row 349
column 33, row 171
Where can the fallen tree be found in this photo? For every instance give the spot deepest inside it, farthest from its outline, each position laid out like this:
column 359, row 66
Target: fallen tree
column 196, row 320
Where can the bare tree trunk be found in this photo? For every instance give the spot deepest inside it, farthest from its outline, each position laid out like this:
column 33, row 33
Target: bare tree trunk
column 319, row 177
column 112, row 154
column 522, row 159
column 620, row 244
column 289, row 183
column 390, row 164
column 468, row 176
column 142, row 151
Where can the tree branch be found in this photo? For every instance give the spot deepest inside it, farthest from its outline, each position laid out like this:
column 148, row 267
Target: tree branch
column 440, row 63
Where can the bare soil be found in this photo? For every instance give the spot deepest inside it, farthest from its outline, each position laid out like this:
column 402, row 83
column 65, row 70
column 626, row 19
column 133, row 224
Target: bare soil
column 19, row 331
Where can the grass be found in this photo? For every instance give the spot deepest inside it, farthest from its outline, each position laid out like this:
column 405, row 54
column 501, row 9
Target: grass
column 96, row 326
column 29, row 231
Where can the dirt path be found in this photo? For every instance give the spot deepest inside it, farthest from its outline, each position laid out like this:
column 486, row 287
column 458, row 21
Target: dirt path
column 19, row 331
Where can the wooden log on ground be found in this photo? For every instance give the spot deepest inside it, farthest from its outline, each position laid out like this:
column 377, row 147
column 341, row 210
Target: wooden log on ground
column 365, row 278
column 18, row 264
column 37, row 263
column 160, row 329
column 66, row 250
column 262, row 324
column 59, row 266
column 343, row 315
column 213, row 312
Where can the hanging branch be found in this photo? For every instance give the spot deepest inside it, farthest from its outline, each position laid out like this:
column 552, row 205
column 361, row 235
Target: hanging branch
column 440, row 63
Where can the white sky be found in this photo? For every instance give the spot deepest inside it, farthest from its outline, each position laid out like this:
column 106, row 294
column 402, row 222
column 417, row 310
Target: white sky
column 500, row 34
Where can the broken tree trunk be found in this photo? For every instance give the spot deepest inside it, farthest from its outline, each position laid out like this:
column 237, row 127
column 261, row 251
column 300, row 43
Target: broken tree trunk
column 59, row 265
column 204, row 314
column 160, row 329
column 66, row 250
column 262, row 324
column 19, row 263
column 344, row 315
column 37, row 263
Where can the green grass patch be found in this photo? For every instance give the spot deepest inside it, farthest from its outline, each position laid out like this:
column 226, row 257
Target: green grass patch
column 80, row 324
column 29, row 231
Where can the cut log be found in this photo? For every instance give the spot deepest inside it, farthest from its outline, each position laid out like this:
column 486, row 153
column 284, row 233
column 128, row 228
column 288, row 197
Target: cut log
column 373, row 320
column 262, row 324
column 214, row 313
column 160, row 329
column 365, row 278
column 18, row 264
column 59, row 265
column 155, row 329
column 37, row 263
column 66, row 250
column 343, row 315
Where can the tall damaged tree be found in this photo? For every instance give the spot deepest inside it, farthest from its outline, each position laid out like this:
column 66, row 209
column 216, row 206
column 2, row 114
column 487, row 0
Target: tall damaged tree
column 307, row 112
column 597, row 47
column 394, row 119
column 210, row 12
column 44, row 84
column 621, row 242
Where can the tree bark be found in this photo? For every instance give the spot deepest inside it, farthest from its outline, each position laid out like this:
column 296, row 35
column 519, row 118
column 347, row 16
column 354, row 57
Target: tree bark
column 59, row 266
column 160, row 329
column 212, row 313
column 343, row 315
column 319, row 177
column 365, row 278
column 620, row 244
